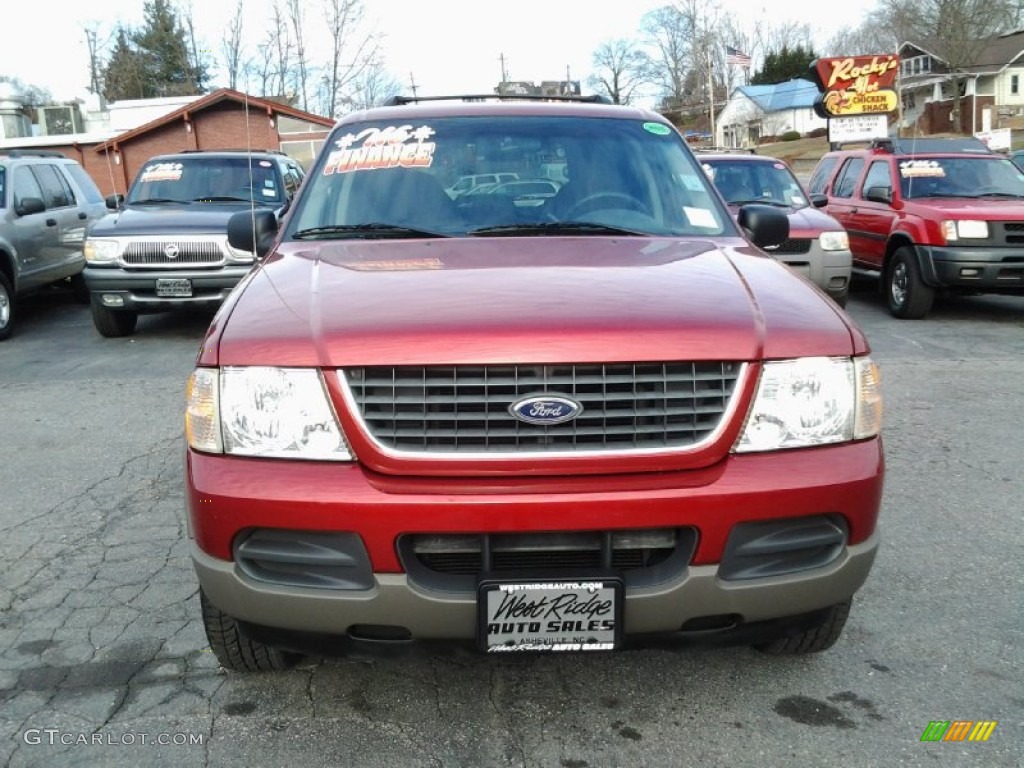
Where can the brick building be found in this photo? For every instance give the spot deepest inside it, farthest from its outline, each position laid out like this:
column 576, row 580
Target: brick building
column 223, row 119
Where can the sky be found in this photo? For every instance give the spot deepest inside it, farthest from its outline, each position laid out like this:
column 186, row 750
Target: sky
column 448, row 46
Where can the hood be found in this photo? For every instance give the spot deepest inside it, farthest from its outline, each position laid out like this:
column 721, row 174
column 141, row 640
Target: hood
column 989, row 209
column 511, row 300
column 164, row 219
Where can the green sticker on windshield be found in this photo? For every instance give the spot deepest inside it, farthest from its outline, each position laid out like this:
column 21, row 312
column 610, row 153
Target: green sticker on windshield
column 660, row 129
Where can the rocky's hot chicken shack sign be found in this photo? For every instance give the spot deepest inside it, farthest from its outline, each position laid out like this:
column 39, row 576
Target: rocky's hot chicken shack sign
column 856, row 85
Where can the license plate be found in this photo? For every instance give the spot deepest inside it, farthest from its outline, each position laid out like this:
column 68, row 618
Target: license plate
column 553, row 615
column 173, row 287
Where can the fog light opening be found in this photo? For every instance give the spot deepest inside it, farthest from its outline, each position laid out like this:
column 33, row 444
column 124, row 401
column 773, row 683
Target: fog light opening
column 970, row 272
column 113, row 300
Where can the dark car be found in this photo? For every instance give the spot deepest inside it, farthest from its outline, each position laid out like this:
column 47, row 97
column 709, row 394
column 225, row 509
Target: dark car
column 928, row 215
column 817, row 247
column 539, row 428
column 47, row 204
column 166, row 245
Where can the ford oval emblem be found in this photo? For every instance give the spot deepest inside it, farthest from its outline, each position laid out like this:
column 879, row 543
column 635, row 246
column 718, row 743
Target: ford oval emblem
column 545, row 409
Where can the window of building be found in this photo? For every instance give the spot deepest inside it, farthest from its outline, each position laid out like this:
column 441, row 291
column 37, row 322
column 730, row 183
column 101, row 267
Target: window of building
column 1014, row 83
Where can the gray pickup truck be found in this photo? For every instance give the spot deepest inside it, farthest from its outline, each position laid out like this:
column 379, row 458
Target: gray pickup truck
column 47, row 203
column 165, row 246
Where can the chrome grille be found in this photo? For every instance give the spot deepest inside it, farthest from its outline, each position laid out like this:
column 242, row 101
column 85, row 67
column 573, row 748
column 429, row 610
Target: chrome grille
column 793, row 245
column 464, row 409
column 189, row 252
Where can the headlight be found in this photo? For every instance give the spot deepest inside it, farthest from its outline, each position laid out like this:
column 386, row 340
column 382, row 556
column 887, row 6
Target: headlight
column 282, row 412
column 967, row 229
column 100, row 251
column 813, row 401
column 271, row 412
column 834, row 241
column 239, row 256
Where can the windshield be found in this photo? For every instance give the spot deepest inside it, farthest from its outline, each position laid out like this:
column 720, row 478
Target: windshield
column 520, row 175
column 750, row 181
column 205, row 179
column 972, row 177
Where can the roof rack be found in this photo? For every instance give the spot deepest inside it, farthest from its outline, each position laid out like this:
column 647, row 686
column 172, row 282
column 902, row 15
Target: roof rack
column 30, row 153
column 398, row 101
column 227, row 149
column 914, row 146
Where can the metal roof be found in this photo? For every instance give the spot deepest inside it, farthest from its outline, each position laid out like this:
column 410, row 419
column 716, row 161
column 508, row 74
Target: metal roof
column 792, row 94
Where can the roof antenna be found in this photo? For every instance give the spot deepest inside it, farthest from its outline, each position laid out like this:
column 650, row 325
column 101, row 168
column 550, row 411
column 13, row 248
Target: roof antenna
column 248, row 151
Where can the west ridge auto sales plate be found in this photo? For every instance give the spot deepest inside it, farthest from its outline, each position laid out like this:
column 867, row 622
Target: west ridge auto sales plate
column 549, row 615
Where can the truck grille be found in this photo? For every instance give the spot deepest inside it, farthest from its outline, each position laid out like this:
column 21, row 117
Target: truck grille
column 465, row 409
column 793, row 245
column 176, row 253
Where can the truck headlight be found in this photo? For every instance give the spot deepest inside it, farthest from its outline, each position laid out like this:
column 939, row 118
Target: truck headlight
column 834, row 241
column 101, row 251
column 813, row 401
column 268, row 412
column 966, row 230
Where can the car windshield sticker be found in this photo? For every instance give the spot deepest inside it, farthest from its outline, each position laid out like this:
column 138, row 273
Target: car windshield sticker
column 779, row 166
column 161, row 172
column 918, row 168
column 268, row 182
column 396, row 146
column 709, row 170
column 658, row 129
column 797, row 200
column 265, row 163
column 700, row 217
column 269, row 193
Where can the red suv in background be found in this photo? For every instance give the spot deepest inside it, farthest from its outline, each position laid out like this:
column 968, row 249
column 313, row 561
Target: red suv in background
column 543, row 427
column 928, row 215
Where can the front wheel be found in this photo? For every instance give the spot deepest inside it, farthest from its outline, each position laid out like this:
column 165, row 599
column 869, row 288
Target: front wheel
column 820, row 636
column 6, row 307
column 235, row 648
column 113, row 323
column 908, row 297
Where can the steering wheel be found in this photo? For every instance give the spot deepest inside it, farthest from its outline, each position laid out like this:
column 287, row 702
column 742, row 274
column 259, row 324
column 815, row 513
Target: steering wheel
column 587, row 203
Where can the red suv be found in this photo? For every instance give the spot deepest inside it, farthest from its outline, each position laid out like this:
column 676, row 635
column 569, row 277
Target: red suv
column 929, row 215
column 540, row 427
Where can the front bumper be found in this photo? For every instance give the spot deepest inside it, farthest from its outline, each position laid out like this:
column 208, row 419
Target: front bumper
column 137, row 287
column 829, row 270
column 230, row 496
column 993, row 270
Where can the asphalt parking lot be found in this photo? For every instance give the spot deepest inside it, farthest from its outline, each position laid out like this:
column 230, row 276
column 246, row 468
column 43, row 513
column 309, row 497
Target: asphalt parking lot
column 103, row 660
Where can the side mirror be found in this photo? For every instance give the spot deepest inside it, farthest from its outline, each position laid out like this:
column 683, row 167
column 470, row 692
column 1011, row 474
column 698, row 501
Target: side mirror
column 819, row 200
column 879, row 194
column 29, row 205
column 252, row 231
column 766, row 226
column 114, row 202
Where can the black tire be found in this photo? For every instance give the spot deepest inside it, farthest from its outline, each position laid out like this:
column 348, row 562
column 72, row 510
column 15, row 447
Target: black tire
column 79, row 288
column 906, row 294
column 113, row 323
column 7, row 314
column 235, row 648
column 814, row 639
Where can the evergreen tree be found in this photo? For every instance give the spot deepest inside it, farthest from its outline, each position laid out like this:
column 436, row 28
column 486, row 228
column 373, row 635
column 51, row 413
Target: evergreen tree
column 785, row 64
column 126, row 76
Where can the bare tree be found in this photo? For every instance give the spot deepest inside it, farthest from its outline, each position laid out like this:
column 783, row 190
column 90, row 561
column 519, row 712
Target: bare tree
column 261, row 68
column 354, row 52
column 195, row 56
column 956, row 31
column 667, row 32
column 295, row 16
column 96, row 42
column 372, row 86
column 280, row 44
column 231, row 47
column 621, row 67
column 873, row 35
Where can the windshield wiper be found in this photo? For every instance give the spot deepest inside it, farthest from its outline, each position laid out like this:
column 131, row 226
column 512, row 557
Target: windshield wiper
column 761, row 201
column 995, row 194
column 374, row 229
column 153, row 200
column 555, row 228
column 221, row 199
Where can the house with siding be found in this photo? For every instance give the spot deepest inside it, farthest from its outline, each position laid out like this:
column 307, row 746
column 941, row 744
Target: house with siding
column 756, row 111
column 991, row 87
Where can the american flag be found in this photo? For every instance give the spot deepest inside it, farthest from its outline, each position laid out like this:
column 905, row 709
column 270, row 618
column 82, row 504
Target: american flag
column 734, row 56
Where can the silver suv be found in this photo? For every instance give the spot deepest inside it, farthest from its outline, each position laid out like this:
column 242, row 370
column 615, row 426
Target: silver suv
column 47, row 204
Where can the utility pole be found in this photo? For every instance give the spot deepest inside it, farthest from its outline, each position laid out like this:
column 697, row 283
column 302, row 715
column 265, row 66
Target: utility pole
column 568, row 82
column 412, row 84
column 711, row 93
column 504, row 72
